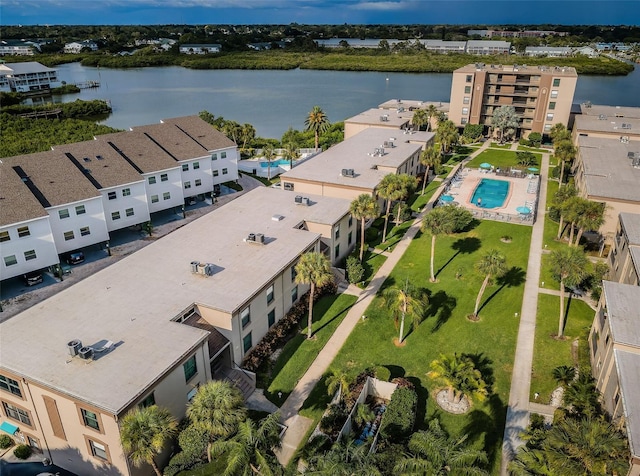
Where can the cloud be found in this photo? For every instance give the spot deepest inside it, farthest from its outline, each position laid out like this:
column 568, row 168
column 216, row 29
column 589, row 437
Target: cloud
column 383, row 5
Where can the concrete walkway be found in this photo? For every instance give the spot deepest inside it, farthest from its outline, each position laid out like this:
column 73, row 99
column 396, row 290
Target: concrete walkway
column 518, row 410
column 298, row 426
column 586, row 299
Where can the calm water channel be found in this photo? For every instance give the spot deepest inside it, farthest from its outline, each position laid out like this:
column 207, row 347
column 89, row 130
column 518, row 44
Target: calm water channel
column 275, row 100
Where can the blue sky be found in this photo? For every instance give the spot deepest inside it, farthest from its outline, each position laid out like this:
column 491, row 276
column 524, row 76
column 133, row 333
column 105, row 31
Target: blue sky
column 94, row 12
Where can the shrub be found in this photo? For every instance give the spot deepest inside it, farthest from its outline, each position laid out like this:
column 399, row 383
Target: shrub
column 355, row 270
column 332, row 422
column 473, row 131
column 181, row 462
column 535, row 139
column 400, row 416
column 22, row 451
column 5, row 442
column 382, row 373
column 406, row 212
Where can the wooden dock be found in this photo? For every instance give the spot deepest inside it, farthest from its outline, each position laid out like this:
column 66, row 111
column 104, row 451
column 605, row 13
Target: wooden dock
column 41, row 114
column 87, row 84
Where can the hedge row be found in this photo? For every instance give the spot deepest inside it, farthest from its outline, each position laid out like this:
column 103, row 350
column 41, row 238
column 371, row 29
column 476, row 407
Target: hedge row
column 279, row 333
column 400, row 415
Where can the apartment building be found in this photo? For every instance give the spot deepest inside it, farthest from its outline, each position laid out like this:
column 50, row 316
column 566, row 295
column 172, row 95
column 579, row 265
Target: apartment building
column 608, row 171
column 549, row 51
column 87, row 190
column 443, row 46
column 614, row 343
column 395, row 120
column 619, row 122
column 624, row 257
column 358, row 164
column 488, row 47
column 16, row 48
column 541, row 95
column 27, row 77
column 199, row 300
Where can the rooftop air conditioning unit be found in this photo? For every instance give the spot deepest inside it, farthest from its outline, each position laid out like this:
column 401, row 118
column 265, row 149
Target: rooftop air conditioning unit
column 260, row 238
column 74, row 346
column 85, row 353
column 251, row 237
column 209, row 269
column 202, row 268
column 298, row 198
column 305, row 201
column 194, row 266
column 344, row 173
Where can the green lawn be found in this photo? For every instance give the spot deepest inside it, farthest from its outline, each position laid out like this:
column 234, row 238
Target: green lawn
column 534, row 149
column 496, row 157
column 546, row 276
column 421, row 200
column 551, row 353
column 328, row 313
column 446, row 329
column 497, row 145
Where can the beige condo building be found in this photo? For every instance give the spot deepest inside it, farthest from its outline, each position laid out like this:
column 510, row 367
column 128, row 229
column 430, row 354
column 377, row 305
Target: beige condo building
column 541, row 95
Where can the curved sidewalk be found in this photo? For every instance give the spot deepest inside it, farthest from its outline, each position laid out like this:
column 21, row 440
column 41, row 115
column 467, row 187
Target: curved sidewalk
column 518, row 410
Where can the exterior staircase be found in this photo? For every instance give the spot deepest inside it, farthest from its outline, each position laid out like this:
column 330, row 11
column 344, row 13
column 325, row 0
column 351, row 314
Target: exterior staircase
column 243, row 380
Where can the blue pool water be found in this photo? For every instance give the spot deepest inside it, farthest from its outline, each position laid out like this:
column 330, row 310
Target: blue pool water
column 274, row 163
column 491, row 193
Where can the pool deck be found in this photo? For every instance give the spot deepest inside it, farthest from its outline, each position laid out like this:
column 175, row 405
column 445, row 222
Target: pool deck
column 523, row 191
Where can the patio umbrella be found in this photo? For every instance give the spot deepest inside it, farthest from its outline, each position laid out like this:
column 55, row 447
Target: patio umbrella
column 446, row 198
column 485, row 165
column 523, row 210
column 533, row 169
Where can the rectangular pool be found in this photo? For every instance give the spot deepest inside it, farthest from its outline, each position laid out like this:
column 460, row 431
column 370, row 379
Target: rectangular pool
column 490, row 193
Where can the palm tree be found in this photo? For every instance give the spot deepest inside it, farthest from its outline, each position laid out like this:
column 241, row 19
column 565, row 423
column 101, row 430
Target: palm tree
column 345, row 458
column 505, row 119
column 389, row 188
column 318, row 122
column 447, row 135
column 493, row 263
column 247, row 133
column 144, row 432
column 337, row 380
column 363, row 208
column 314, row 269
column 572, row 210
column 568, row 266
column 269, row 154
column 430, row 157
column 217, row 408
column 444, row 220
column 530, row 462
column 291, row 153
column 559, row 133
column 420, row 118
column 403, row 302
column 561, row 196
column 565, row 152
column 459, row 375
column 408, row 185
column 564, row 374
column 592, row 218
column 432, row 112
column 250, row 451
column 581, row 396
column 435, row 453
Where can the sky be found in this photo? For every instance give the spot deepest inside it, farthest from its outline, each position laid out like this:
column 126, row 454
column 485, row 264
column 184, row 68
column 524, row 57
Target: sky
column 154, row 12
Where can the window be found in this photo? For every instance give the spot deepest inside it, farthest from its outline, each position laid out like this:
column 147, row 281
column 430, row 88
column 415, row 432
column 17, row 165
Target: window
column 190, row 368
column 547, row 127
column 469, row 78
column 246, row 343
column 223, row 155
column 554, row 93
column 349, row 238
column 152, row 180
column 126, row 192
column 115, row 215
column 350, row 221
column 271, row 317
column 166, row 195
column 552, row 105
column 245, row 317
column 556, row 82
column 214, row 156
column 90, row 419
column 10, row 260
column 4, row 236
column 288, row 186
column 84, row 231
column 198, row 182
column 337, row 250
column 164, row 177
column 9, row 385
column 467, row 89
column 63, row 213
column 293, row 273
column 68, row 235
column 225, row 171
column 215, row 173
column 549, row 116
column 98, row 450
column 154, row 199
column 111, row 195
column 147, row 402
column 29, row 255
column 465, row 100
column 196, row 165
column 337, row 231
column 192, row 393
column 17, row 414
column 465, row 111
column 463, row 120
column 294, row 294
column 270, row 294
column 23, row 231
column 185, row 167
column 187, row 184
column 129, row 212
column 80, row 210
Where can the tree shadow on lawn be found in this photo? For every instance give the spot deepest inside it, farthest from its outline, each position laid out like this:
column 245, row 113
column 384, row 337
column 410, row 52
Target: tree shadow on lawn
column 423, row 397
column 490, row 424
column 442, row 306
column 338, row 314
column 466, row 245
column 395, row 371
column 514, row 277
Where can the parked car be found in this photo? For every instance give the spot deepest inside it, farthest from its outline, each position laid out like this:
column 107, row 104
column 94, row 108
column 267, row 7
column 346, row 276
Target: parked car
column 75, row 257
column 32, row 278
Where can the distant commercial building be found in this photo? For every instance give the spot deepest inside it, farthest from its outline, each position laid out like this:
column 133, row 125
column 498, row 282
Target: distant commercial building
column 27, row 77
column 541, row 95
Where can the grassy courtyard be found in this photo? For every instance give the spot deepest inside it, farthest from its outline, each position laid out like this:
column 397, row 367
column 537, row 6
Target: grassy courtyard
column 491, row 341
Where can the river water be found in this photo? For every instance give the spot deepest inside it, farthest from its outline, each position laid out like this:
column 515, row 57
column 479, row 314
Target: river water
column 273, row 101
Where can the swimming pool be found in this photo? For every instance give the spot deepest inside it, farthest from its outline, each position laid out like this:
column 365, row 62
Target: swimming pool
column 490, row 193
column 275, row 163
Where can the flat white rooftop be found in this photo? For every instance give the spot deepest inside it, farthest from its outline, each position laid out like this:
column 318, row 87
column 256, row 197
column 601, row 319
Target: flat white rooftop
column 133, row 301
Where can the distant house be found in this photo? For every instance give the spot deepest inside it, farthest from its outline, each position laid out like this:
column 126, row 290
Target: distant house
column 76, row 47
column 265, row 45
column 586, row 51
column 200, row 49
column 161, row 43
